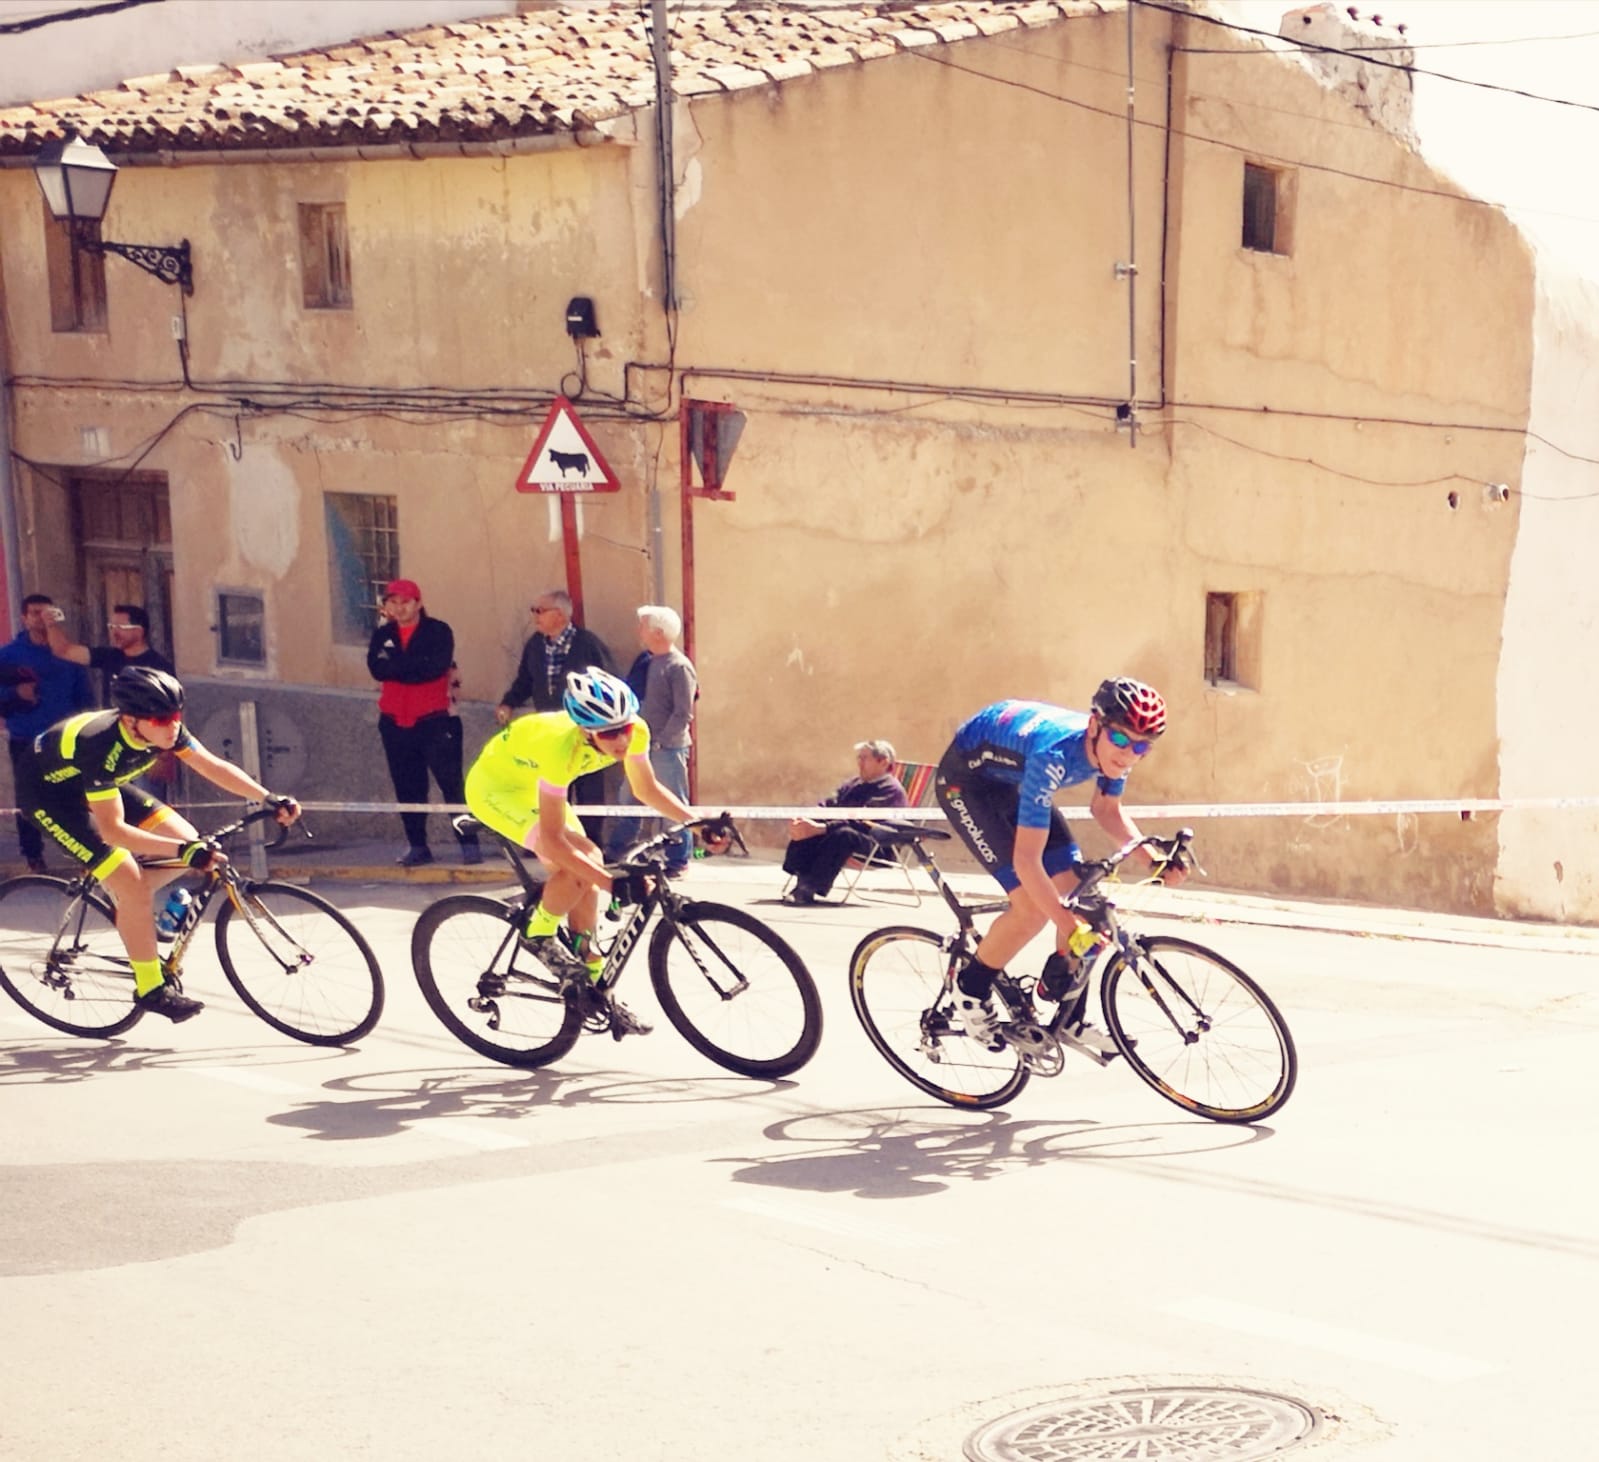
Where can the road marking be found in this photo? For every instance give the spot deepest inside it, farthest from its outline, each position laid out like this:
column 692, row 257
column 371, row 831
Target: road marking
column 789, row 1212
column 468, row 1130
column 1422, row 1360
column 244, row 1076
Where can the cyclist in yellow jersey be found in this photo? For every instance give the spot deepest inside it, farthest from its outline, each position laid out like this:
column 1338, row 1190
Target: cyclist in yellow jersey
column 518, row 786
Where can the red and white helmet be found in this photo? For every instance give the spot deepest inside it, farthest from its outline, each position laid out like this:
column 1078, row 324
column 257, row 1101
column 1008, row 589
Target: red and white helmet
column 1132, row 704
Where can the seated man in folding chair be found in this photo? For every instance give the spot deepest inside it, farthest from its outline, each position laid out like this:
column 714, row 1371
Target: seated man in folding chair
column 817, row 850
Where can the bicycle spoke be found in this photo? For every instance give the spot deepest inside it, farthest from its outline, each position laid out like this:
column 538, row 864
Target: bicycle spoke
column 735, row 990
column 299, row 964
column 486, row 988
column 1200, row 1031
column 897, row 983
column 61, row 958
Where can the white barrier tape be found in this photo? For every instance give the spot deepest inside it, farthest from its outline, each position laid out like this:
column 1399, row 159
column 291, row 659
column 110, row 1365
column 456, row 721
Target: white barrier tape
column 1454, row 806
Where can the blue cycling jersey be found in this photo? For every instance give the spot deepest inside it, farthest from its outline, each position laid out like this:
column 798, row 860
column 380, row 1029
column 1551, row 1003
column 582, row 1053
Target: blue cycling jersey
column 1039, row 747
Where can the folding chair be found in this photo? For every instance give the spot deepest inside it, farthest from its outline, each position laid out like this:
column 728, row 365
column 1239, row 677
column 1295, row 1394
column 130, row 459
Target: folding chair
column 884, row 856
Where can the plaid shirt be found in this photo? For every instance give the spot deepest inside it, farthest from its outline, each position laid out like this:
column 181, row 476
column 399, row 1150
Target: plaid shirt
column 555, row 653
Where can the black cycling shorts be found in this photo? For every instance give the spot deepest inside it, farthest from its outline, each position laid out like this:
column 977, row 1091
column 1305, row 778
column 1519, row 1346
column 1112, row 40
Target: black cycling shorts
column 66, row 819
column 982, row 810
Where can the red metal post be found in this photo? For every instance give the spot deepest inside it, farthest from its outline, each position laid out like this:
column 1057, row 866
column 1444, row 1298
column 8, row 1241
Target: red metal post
column 573, row 553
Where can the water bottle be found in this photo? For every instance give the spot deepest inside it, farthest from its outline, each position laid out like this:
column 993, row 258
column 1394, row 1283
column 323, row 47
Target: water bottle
column 173, row 913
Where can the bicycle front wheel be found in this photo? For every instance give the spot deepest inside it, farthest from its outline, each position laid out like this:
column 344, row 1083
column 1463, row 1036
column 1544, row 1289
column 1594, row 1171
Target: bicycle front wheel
column 1199, row 1030
column 489, row 992
column 897, row 983
column 735, row 990
column 61, row 958
column 299, row 964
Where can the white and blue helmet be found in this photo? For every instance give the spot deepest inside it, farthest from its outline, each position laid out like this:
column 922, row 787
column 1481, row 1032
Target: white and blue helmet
column 598, row 701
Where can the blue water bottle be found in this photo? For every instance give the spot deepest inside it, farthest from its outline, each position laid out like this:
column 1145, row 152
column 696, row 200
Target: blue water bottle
column 173, row 912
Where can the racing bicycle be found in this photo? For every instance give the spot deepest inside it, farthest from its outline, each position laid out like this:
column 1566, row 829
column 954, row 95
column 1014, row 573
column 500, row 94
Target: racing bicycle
column 293, row 958
column 734, row 989
column 1190, row 1023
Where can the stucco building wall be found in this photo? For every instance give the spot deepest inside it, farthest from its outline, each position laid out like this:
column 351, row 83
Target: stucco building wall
column 904, row 273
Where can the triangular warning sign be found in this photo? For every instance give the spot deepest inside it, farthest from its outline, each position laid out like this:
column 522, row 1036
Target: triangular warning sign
column 564, row 457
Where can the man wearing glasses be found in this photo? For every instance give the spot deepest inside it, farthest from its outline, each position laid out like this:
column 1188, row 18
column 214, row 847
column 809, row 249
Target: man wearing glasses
column 557, row 647
column 997, row 784
column 518, row 786
column 77, row 793
column 129, row 631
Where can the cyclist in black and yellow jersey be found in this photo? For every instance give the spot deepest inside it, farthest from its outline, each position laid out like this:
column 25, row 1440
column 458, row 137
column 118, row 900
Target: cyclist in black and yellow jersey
column 77, row 792
column 518, row 786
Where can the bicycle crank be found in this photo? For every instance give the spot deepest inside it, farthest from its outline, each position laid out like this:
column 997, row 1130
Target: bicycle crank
column 1040, row 1052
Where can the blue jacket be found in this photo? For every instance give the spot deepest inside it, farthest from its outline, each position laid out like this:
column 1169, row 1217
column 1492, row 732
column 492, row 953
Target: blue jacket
column 63, row 688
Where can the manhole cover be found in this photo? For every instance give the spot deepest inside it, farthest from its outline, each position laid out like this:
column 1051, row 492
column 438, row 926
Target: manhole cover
column 1169, row 1424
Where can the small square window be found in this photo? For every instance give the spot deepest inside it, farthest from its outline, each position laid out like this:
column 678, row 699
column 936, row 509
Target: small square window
column 363, row 555
column 77, row 278
column 325, row 257
column 1268, row 214
column 241, row 627
column 1232, row 640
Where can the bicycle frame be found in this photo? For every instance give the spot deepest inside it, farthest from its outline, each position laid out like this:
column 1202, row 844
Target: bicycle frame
column 1087, row 900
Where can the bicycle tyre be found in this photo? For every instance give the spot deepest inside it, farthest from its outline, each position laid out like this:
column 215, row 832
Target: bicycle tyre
column 1243, row 1051
column 772, row 994
column 332, row 992
column 93, row 975
column 461, row 941
column 896, row 981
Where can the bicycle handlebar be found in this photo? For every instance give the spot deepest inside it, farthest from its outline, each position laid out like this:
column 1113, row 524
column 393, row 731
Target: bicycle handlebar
column 1174, row 851
column 640, row 859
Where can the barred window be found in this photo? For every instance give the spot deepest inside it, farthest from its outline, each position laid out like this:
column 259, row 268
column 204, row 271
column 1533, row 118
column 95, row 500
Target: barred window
column 363, row 555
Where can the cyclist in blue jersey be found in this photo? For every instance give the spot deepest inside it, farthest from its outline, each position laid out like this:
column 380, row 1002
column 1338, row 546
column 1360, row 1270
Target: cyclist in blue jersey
column 997, row 785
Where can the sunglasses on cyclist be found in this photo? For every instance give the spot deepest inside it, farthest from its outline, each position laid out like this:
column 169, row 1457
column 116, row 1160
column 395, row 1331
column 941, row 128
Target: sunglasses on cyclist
column 171, row 720
column 1123, row 740
column 612, row 732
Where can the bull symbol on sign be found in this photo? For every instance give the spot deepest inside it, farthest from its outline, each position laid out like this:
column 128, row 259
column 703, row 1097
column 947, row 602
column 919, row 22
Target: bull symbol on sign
column 564, row 460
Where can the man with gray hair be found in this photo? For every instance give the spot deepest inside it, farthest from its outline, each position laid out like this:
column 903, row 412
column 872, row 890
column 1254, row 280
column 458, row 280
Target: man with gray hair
column 817, row 850
column 557, row 646
column 664, row 680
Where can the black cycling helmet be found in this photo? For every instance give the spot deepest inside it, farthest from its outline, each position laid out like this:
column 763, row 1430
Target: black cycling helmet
column 1132, row 704
column 138, row 690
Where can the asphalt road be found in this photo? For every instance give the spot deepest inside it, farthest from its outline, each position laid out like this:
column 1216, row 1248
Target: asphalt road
column 218, row 1243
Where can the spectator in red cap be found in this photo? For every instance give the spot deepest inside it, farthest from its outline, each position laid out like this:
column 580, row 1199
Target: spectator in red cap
column 413, row 655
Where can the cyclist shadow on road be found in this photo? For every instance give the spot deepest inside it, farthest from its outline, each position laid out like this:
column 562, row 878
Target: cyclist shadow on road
column 900, row 1154
column 388, row 1103
column 73, row 1059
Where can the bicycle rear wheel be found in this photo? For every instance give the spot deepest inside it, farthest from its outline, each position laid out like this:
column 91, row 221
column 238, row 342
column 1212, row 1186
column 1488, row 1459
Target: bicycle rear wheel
column 61, row 958
column 299, row 964
column 1198, row 1030
column 896, row 981
column 489, row 992
column 735, row 990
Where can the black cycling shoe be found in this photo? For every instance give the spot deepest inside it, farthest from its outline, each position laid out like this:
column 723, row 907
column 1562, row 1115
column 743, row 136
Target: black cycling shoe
column 164, row 1000
column 625, row 1023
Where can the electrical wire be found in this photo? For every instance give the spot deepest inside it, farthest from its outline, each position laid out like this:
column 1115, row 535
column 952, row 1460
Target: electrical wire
column 1249, row 30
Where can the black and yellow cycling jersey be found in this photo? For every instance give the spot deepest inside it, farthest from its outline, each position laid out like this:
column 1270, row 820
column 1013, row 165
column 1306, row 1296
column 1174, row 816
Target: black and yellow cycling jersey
column 86, row 759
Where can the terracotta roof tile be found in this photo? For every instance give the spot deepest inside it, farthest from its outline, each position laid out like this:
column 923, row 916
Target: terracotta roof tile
column 503, row 77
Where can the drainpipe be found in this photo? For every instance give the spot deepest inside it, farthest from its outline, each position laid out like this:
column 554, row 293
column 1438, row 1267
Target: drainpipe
column 1129, row 270
column 10, row 552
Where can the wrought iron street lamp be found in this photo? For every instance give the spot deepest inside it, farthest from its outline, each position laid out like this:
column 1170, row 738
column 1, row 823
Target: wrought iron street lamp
column 75, row 178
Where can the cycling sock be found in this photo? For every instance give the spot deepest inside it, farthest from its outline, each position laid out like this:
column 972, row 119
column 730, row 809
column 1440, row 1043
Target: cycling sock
column 976, row 980
column 596, row 966
column 541, row 922
column 146, row 975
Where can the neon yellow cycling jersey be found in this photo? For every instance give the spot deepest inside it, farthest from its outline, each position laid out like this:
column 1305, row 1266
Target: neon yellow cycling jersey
column 542, row 752
column 549, row 751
